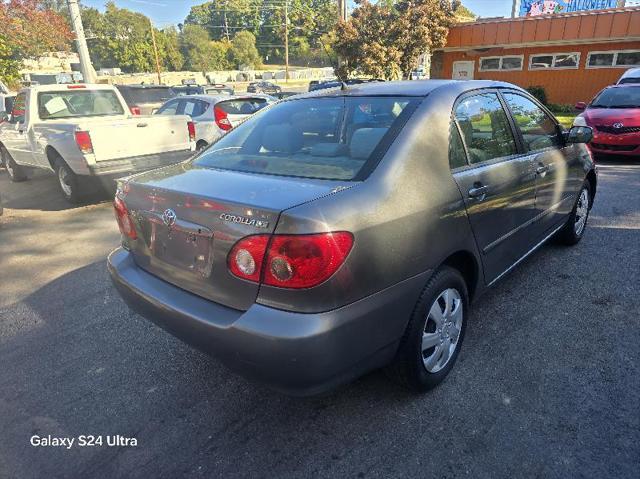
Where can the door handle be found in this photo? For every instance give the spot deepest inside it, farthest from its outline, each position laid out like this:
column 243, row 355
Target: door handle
column 478, row 192
column 542, row 169
column 142, row 125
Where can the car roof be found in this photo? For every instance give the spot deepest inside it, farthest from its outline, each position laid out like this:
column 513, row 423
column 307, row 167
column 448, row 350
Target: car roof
column 631, row 72
column 144, row 86
column 70, row 86
column 219, row 98
column 415, row 88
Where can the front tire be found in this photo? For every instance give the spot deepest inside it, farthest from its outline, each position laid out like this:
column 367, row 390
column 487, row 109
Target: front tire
column 576, row 224
column 16, row 172
column 67, row 181
column 434, row 335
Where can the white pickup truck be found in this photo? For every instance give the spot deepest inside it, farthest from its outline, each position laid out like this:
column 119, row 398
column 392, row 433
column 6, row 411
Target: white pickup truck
column 81, row 131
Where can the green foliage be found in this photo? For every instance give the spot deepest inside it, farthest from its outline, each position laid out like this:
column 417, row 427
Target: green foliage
column 265, row 19
column 243, row 52
column 122, row 38
column 200, row 53
column 28, row 29
column 386, row 39
column 564, row 109
column 539, row 93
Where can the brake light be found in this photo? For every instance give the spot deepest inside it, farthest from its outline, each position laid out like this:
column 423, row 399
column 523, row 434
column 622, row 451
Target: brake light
column 135, row 110
column 192, row 130
column 76, row 87
column 291, row 261
column 124, row 220
column 83, row 140
column 221, row 118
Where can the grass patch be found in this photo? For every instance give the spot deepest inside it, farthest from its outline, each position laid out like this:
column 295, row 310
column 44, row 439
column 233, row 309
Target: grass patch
column 566, row 120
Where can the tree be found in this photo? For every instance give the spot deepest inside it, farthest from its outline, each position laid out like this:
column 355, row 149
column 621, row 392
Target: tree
column 168, row 42
column 366, row 42
column 243, row 52
column 29, row 29
column 200, row 53
column 387, row 39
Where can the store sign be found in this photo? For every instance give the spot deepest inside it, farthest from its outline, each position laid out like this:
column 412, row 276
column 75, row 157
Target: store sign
column 532, row 8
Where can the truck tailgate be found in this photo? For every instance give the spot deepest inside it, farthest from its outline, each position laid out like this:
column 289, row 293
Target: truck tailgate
column 138, row 136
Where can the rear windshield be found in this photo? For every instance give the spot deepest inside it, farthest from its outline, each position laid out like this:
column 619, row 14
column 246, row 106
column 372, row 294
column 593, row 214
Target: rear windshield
column 244, row 106
column 630, row 80
column 147, row 95
column 323, row 138
column 77, row 103
column 625, row 97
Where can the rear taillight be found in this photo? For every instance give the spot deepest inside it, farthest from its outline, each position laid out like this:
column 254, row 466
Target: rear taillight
column 192, row 130
column 124, row 220
column 221, row 118
column 135, row 110
column 290, row 261
column 83, row 140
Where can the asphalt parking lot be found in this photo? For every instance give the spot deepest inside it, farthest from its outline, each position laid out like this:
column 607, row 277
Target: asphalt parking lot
column 547, row 383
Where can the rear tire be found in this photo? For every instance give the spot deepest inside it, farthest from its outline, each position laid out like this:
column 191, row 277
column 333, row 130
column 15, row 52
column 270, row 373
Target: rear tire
column 573, row 230
column 67, row 181
column 16, row 172
column 431, row 343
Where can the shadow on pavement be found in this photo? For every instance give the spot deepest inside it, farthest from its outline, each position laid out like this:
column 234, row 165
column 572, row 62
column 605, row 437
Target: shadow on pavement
column 41, row 192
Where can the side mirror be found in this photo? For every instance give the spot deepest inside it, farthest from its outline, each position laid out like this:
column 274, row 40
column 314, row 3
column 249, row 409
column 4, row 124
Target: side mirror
column 580, row 106
column 580, row 134
column 4, row 116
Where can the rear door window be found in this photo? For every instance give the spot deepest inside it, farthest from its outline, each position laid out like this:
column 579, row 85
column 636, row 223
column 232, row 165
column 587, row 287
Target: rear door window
column 324, row 138
column 243, row 106
column 194, row 108
column 485, row 128
column 19, row 108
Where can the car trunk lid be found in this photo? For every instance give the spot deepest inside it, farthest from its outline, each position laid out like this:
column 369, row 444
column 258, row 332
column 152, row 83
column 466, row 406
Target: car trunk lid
column 188, row 218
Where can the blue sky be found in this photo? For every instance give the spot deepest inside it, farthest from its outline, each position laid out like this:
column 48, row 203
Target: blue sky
column 167, row 12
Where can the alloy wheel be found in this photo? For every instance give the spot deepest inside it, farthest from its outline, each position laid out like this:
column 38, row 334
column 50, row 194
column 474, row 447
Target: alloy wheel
column 582, row 211
column 442, row 330
column 63, row 178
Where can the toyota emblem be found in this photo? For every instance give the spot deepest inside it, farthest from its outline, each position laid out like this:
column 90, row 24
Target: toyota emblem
column 169, row 217
column 617, row 126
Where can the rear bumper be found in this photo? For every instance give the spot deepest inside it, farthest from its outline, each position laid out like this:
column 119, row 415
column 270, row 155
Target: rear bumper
column 300, row 354
column 138, row 163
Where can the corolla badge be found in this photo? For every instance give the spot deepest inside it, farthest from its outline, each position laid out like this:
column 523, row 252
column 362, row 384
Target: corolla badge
column 169, row 217
column 618, row 125
column 243, row 220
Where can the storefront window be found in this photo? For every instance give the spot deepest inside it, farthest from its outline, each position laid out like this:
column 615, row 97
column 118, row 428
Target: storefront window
column 625, row 58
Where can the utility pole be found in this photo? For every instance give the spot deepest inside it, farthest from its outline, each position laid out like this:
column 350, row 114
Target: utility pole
column 88, row 73
column 155, row 51
column 342, row 10
column 286, row 41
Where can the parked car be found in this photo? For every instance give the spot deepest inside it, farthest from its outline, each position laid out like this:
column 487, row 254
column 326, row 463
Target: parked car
column 145, row 99
column 336, row 83
column 264, row 87
column 632, row 75
column 84, row 131
column 212, row 115
column 614, row 115
column 346, row 230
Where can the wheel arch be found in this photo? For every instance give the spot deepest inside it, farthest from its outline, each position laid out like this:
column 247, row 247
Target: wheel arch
column 52, row 156
column 468, row 266
column 593, row 184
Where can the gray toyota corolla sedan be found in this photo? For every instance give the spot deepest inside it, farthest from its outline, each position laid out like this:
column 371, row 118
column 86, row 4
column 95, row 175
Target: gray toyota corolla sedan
column 349, row 229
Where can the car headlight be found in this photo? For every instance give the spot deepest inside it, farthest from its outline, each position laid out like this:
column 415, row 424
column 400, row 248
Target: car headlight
column 579, row 121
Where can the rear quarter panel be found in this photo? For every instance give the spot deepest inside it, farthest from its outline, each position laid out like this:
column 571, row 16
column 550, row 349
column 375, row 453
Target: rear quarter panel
column 406, row 218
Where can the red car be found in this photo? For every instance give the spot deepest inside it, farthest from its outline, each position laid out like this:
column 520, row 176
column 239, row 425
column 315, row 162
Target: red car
column 614, row 115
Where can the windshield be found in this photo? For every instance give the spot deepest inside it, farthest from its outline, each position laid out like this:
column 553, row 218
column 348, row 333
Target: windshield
column 323, row 138
column 78, row 103
column 626, row 97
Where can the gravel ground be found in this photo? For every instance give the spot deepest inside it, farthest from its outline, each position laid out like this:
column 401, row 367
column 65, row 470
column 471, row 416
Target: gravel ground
column 547, row 383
